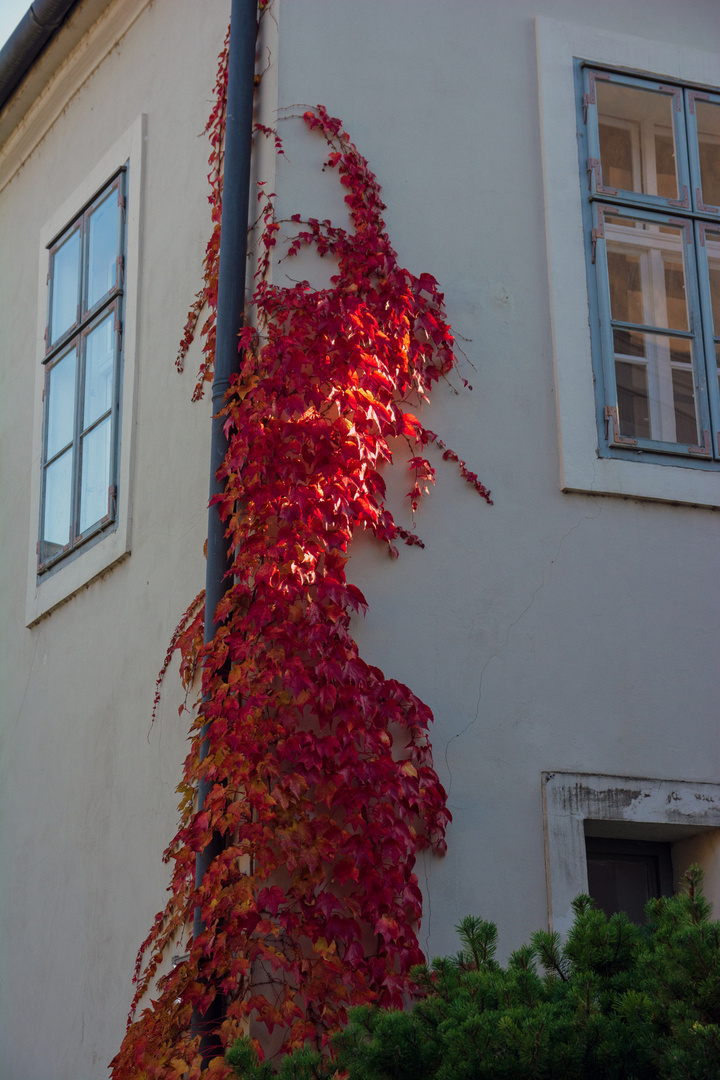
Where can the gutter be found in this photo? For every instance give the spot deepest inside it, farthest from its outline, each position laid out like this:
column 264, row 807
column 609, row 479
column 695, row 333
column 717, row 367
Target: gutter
column 230, row 312
column 35, row 30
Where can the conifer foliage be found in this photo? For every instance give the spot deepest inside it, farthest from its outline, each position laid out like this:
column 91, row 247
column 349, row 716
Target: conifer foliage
column 320, row 767
column 616, row 1002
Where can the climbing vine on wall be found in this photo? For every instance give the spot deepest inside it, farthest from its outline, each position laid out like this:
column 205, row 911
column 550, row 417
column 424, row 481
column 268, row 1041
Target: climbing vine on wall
column 320, row 767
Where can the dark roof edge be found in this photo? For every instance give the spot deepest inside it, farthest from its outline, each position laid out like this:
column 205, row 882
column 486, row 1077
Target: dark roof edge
column 41, row 21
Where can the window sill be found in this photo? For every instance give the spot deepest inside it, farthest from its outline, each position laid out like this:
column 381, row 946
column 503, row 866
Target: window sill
column 640, row 480
column 76, row 572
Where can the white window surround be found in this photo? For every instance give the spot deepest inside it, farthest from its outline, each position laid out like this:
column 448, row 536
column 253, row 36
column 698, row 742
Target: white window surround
column 576, row 805
column 88, row 563
column 581, row 469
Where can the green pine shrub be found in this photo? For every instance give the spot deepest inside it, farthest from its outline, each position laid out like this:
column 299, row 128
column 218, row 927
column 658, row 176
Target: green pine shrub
column 615, row 1002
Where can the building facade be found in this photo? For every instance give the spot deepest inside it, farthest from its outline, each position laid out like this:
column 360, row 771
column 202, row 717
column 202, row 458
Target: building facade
column 556, row 167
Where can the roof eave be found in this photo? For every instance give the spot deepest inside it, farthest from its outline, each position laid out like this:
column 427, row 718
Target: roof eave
column 35, row 30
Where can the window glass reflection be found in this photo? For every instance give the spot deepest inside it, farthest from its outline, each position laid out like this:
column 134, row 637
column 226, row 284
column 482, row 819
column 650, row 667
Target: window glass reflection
column 99, row 356
column 708, row 122
column 637, row 140
column 102, row 249
column 95, row 475
column 60, row 399
column 65, row 286
column 647, row 274
column 655, row 387
column 58, row 492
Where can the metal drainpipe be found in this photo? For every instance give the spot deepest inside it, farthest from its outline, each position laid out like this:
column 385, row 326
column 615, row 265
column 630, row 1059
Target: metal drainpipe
column 230, row 308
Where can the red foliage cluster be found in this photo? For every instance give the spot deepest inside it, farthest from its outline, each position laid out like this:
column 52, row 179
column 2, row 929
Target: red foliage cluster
column 320, row 766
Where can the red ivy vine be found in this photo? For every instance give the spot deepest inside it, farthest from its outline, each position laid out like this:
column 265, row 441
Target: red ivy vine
column 321, row 768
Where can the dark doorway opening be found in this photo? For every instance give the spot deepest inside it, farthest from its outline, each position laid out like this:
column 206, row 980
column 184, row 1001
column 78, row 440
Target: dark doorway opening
column 624, row 874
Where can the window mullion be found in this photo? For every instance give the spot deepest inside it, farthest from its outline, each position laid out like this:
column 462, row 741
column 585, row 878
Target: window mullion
column 611, row 417
column 104, row 445
column 709, row 238
column 79, row 392
column 705, row 446
column 80, row 388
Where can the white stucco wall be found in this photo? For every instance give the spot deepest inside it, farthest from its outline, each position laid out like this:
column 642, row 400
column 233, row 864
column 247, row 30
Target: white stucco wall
column 552, row 631
column 549, row 633
column 87, row 792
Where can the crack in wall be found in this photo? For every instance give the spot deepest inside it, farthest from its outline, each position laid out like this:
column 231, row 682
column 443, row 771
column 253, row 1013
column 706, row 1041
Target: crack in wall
column 40, row 635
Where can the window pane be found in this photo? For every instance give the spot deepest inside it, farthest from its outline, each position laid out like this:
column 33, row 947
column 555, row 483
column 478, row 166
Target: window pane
column 616, row 150
column 60, row 404
column 623, row 883
column 708, row 122
column 637, row 141
column 655, row 387
column 624, row 874
column 102, row 249
column 684, row 403
column 65, row 283
column 647, row 273
column 99, row 355
column 665, row 165
column 633, row 402
column 712, row 246
column 58, row 494
column 626, row 290
column 95, row 475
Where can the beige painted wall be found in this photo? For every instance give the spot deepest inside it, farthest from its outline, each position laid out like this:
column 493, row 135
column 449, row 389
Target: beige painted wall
column 87, row 792
column 551, row 632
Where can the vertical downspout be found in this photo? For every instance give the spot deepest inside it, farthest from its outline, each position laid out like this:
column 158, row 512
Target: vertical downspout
column 230, row 308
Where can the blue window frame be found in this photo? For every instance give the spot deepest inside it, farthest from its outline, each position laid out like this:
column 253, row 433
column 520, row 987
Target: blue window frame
column 650, row 158
column 83, row 340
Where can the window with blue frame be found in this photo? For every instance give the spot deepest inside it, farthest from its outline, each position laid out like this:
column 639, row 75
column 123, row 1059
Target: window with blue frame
column 653, row 219
column 83, row 342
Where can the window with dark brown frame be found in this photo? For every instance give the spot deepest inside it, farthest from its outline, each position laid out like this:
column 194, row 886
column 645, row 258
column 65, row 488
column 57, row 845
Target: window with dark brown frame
column 83, row 347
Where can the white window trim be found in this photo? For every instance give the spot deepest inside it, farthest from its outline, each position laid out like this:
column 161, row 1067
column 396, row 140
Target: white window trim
column 581, row 469
column 46, row 593
column 580, row 804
